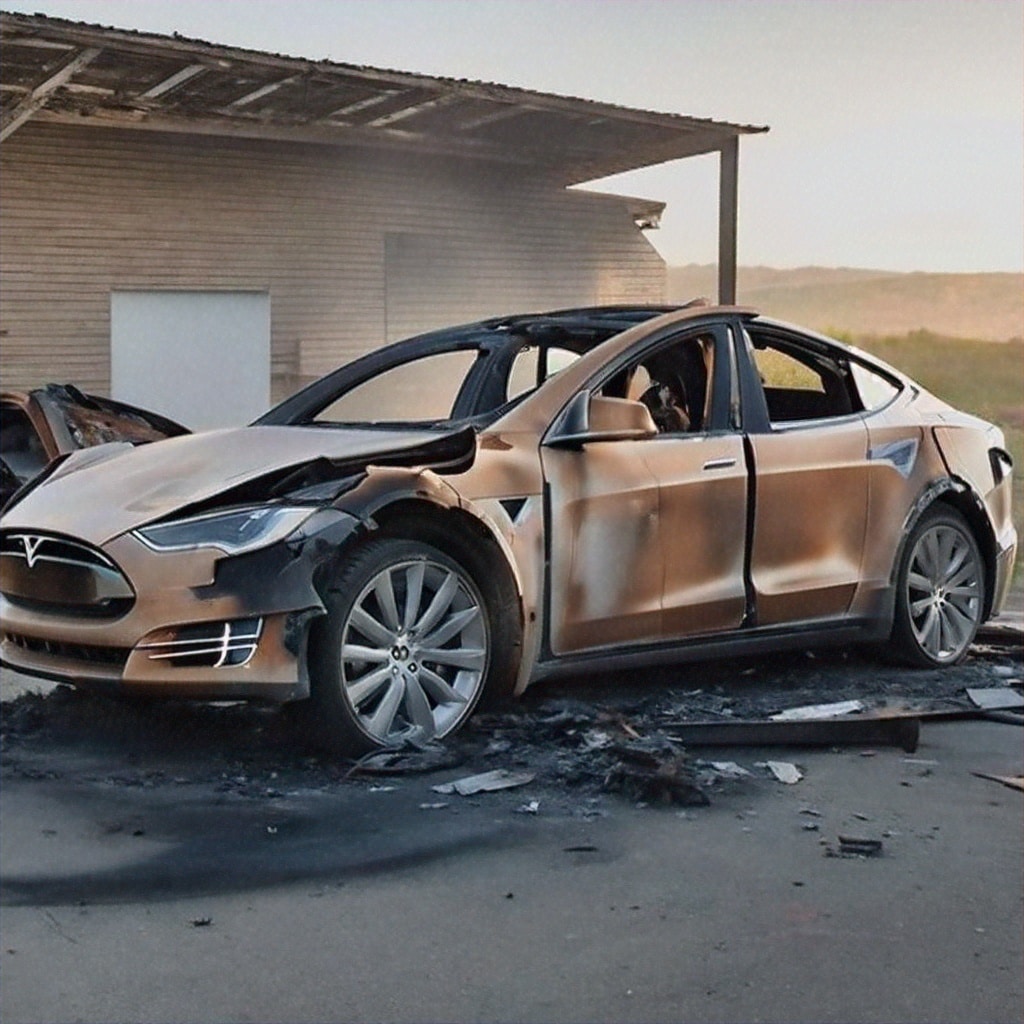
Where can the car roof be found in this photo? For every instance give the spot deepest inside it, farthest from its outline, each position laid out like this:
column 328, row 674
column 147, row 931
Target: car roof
column 538, row 408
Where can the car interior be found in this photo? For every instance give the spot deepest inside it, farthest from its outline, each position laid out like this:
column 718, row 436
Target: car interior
column 674, row 383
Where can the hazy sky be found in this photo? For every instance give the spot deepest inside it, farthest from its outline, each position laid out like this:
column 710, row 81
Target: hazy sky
column 897, row 126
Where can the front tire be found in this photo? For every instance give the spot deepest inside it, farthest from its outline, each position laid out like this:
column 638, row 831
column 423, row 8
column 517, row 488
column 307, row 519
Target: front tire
column 412, row 640
column 940, row 591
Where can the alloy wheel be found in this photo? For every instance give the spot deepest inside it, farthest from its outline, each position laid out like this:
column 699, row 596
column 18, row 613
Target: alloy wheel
column 414, row 652
column 944, row 592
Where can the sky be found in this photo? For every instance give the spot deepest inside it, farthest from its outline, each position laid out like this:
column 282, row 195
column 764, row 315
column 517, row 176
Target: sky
column 897, row 126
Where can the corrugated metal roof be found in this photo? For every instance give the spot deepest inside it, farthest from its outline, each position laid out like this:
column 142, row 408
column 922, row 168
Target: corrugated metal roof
column 70, row 72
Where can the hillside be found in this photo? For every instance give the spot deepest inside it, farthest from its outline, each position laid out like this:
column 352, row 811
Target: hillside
column 985, row 306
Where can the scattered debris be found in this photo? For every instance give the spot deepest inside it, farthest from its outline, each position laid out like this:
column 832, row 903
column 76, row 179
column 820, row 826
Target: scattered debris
column 529, row 808
column 646, row 774
column 996, row 698
column 201, row 922
column 582, row 848
column 433, row 807
column 785, row 772
column 486, row 782
column 1013, row 781
column 578, row 738
column 597, row 739
column 810, row 712
column 1006, row 672
column 999, row 637
column 858, row 846
column 729, row 769
column 429, row 758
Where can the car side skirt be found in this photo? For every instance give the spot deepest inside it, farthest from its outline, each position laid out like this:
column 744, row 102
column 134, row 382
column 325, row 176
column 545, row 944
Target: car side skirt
column 753, row 640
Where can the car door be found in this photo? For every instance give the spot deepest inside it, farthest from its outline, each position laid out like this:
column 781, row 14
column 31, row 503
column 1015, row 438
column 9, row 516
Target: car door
column 647, row 537
column 810, row 456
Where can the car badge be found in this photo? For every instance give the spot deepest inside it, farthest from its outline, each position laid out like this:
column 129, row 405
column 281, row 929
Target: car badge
column 32, row 545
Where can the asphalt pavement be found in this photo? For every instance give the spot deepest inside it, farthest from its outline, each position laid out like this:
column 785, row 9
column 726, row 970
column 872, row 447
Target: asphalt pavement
column 134, row 894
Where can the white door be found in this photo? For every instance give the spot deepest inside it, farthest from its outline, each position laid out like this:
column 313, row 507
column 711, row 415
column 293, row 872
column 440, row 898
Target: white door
column 201, row 358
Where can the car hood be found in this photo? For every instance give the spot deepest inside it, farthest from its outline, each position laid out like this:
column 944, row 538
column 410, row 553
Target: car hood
column 98, row 498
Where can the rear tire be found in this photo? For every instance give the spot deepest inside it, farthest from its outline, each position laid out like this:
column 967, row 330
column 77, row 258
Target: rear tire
column 940, row 591
column 412, row 640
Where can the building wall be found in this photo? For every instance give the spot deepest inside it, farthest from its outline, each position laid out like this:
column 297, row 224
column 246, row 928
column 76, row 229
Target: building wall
column 336, row 235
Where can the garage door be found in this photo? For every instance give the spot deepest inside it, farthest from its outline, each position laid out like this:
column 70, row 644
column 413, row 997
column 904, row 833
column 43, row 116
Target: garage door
column 200, row 357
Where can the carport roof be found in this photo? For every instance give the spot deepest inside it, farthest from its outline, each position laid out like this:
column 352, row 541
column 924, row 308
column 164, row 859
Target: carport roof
column 68, row 72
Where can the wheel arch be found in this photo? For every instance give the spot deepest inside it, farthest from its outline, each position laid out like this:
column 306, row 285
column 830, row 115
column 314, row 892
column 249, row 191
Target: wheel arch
column 453, row 529
column 420, row 505
column 957, row 494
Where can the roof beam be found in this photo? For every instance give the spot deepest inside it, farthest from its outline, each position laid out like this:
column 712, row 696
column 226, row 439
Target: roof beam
column 176, row 79
column 411, row 111
column 263, row 90
column 38, row 97
column 42, row 44
column 370, row 101
column 507, row 111
column 317, row 132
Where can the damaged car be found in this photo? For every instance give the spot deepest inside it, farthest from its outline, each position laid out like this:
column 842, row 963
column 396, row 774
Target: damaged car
column 453, row 517
column 38, row 426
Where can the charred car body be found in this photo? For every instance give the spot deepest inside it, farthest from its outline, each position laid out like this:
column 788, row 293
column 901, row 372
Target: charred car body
column 455, row 516
column 38, row 426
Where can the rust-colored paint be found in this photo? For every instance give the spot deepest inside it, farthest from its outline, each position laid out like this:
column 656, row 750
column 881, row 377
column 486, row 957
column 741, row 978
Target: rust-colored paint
column 614, row 546
column 810, row 519
column 702, row 495
column 606, row 558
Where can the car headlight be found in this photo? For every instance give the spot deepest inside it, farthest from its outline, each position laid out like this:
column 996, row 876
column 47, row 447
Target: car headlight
column 233, row 532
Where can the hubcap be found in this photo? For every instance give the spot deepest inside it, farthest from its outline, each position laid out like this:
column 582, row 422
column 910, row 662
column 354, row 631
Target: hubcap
column 943, row 592
column 413, row 652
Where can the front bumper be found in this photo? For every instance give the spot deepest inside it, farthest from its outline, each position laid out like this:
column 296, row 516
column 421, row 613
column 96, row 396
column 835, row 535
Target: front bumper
column 180, row 595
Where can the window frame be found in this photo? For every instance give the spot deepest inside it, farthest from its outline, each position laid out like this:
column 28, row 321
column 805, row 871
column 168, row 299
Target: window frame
column 756, row 418
column 718, row 417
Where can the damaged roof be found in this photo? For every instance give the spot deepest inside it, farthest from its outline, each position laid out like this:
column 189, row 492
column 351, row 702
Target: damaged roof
column 54, row 70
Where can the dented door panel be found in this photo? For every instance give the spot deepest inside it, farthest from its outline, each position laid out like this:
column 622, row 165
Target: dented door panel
column 810, row 518
column 703, row 522
column 605, row 574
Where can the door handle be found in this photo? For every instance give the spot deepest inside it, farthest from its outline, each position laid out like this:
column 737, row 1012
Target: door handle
column 719, row 464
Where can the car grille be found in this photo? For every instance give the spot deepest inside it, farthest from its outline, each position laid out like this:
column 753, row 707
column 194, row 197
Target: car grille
column 48, row 573
column 88, row 653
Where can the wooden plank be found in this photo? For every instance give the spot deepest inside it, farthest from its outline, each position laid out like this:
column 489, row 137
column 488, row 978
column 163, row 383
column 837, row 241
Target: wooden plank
column 41, row 93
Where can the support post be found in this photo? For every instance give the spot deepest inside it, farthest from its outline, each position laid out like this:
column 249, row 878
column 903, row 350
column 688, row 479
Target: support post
column 727, row 213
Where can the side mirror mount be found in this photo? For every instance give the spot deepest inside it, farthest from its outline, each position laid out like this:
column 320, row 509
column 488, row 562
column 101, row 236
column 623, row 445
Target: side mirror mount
column 590, row 418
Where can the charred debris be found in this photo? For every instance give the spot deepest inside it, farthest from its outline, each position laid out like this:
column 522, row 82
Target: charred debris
column 652, row 743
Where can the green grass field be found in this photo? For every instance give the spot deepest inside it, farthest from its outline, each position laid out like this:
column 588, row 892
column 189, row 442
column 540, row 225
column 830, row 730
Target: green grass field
column 981, row 377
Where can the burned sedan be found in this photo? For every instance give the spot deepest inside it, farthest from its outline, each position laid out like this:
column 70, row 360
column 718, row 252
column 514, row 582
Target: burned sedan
column 39, row 426
column 453, row 517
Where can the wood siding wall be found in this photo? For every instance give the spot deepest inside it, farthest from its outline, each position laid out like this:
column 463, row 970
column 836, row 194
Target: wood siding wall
column 85, row 211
